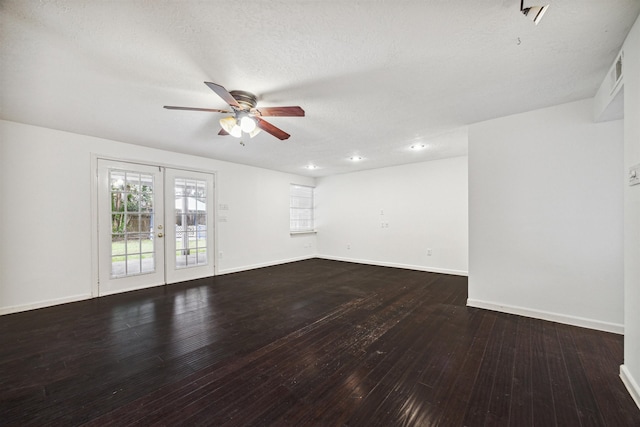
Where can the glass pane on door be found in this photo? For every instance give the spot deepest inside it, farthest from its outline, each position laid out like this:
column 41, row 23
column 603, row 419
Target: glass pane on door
column 132, row 217
column 191, row 215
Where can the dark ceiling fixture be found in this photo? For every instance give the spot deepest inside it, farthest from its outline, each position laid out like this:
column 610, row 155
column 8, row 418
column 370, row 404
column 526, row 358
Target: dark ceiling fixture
column 245, row 117
column 534, row 13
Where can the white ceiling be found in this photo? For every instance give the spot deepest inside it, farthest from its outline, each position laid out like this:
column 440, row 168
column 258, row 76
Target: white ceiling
column 374, row 77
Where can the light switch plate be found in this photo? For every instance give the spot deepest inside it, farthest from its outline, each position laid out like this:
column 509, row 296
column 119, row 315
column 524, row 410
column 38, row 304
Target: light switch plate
column 634, row 175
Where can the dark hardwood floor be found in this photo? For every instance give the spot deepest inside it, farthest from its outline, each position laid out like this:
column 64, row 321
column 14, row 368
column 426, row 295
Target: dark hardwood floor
column 308, row 343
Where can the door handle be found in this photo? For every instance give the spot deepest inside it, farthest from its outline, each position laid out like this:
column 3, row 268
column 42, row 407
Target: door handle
column 160, row 235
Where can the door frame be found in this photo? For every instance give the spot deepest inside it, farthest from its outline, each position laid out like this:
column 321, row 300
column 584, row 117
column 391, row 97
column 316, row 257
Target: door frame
column 94, row 232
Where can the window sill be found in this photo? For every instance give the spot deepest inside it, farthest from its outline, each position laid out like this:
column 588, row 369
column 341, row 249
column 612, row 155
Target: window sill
column 292, row 233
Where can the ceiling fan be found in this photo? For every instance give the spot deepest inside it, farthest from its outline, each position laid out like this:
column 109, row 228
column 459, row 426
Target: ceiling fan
column 245, row 116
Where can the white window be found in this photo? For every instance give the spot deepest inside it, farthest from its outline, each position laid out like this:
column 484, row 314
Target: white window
column 300, row 208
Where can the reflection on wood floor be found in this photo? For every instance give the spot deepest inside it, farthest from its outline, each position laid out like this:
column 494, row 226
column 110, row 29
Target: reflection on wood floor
column 314, row 342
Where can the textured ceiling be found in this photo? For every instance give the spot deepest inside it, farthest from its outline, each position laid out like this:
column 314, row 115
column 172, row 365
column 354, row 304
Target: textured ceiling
column 374, row 77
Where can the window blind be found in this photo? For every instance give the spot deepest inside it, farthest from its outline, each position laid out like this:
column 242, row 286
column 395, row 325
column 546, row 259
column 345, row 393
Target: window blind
column 300, row 208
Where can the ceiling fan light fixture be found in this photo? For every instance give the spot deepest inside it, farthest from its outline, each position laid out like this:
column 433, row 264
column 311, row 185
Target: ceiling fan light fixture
column 254, row 132
column 236, row 132
column 247, row 124
column 228, row 123
column 535, row 13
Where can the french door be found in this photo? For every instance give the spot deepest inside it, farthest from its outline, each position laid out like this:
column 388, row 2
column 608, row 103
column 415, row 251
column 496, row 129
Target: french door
column 189, row 242
column 155, row 226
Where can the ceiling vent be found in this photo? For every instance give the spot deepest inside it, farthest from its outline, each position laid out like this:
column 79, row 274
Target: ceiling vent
column 609, row 100
column 616, row 72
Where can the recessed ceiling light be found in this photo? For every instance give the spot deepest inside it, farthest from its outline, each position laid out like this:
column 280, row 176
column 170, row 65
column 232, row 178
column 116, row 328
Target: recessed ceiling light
column 355, row 158
column 311, row 167
column 418, row 146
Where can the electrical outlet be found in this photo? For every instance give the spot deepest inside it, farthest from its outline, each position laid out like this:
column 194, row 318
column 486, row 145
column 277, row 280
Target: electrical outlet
column 429, row 252
column 348, row 246
column 220, row 255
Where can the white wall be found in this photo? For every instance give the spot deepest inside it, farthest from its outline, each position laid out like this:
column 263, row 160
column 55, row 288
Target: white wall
column 630, row 371
column 45, row 217
column 424, row 205
column 546, row 216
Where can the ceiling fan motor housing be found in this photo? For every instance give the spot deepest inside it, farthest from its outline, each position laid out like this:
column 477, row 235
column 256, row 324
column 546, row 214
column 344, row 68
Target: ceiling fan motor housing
column 246, row 99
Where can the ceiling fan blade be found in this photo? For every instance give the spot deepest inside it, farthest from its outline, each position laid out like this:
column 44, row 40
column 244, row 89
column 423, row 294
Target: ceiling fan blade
column 278, row 111
column 224, row 94
column 269, row 128
column 223, row 132
column 212, row 110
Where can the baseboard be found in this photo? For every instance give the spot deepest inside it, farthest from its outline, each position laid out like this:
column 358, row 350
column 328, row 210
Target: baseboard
column 396, row 265
column 630, row 383
column 133, row 289
column 43, row 304
column 545, row 315
column 58, row 301
column 262, row 265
